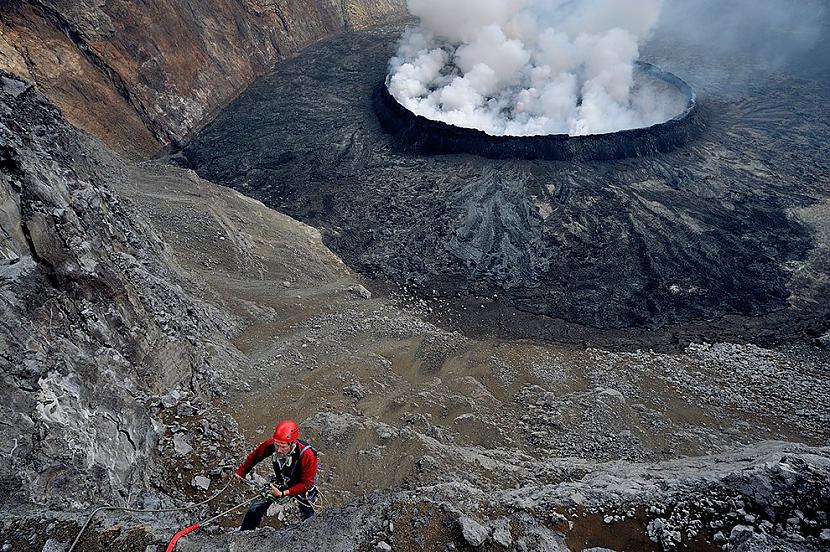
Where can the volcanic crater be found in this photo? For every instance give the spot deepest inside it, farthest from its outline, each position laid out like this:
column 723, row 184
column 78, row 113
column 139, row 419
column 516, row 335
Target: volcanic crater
column 418, row 134
column 689, row 228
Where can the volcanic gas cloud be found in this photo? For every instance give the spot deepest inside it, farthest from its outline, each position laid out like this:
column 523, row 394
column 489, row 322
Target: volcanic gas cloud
column 531, row 67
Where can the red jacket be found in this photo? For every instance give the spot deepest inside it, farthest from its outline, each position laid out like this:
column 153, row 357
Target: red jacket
column 303, row 481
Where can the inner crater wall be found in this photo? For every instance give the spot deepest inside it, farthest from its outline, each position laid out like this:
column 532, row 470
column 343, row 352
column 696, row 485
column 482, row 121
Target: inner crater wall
column 143, row 75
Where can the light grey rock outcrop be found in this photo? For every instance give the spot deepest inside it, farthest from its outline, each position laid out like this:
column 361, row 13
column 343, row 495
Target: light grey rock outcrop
column 94, row 317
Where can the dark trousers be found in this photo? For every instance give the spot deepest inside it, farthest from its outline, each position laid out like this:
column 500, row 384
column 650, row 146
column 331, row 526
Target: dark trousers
column 258, row 508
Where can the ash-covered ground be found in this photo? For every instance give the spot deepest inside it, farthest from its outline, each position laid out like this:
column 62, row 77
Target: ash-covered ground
column 713, row 231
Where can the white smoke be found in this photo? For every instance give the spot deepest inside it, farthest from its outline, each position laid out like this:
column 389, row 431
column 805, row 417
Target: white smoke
column 529, row 67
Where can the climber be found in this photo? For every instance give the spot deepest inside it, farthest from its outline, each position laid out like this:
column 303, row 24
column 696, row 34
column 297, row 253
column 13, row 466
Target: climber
column 295, row 464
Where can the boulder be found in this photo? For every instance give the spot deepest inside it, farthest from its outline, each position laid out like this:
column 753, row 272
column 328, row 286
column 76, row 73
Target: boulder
column 181, row 446
column 474, row 533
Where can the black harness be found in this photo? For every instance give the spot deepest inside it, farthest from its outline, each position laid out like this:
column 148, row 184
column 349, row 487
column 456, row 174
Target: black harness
column 287, row 468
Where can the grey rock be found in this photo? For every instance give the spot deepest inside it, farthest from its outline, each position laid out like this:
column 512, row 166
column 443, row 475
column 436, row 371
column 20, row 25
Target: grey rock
column 171, row 399
column 383, row 546
column 613, row 393
column 502, row 536
column 740, row 531
column 355, row 391
column 53, row 545
column 655, row 529
column 14, row 87
column 360, row 291
column 185, row 409
column 181, row 446
column 201, row 482
column 824, row 536
column 474, row 533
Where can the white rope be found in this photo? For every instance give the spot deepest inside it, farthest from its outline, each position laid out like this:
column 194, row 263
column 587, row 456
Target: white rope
column 317, row 505
column 140, row 510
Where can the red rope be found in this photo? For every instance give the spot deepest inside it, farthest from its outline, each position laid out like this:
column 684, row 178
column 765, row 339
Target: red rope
column 183, row 532
column 180, row 534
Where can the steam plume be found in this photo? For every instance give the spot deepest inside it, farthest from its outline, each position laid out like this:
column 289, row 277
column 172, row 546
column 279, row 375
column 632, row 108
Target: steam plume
column 524, row 67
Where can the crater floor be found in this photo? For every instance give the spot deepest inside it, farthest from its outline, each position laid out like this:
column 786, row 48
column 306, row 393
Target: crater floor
column 711, row 239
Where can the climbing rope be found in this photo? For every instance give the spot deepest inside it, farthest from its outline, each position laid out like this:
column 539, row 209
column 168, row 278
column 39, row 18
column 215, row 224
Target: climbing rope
column 171, row 546
column 262, row 493
column 316, row 505
column 156, row 511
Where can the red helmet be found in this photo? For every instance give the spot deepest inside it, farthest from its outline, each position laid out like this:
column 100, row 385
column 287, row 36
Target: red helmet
column 286, row 432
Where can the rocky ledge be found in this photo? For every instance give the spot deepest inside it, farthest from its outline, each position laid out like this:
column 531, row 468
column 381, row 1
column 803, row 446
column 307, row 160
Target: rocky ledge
column 770, row 497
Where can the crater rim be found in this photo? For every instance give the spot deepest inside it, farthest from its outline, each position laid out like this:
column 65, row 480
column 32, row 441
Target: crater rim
column 418, row 134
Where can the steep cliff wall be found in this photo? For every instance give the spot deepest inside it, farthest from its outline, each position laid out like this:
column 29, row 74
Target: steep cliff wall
column 141, row 75
column 94, row 318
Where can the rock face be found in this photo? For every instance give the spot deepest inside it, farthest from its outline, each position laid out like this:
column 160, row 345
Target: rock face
column 94, row 317
column 144, row 75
